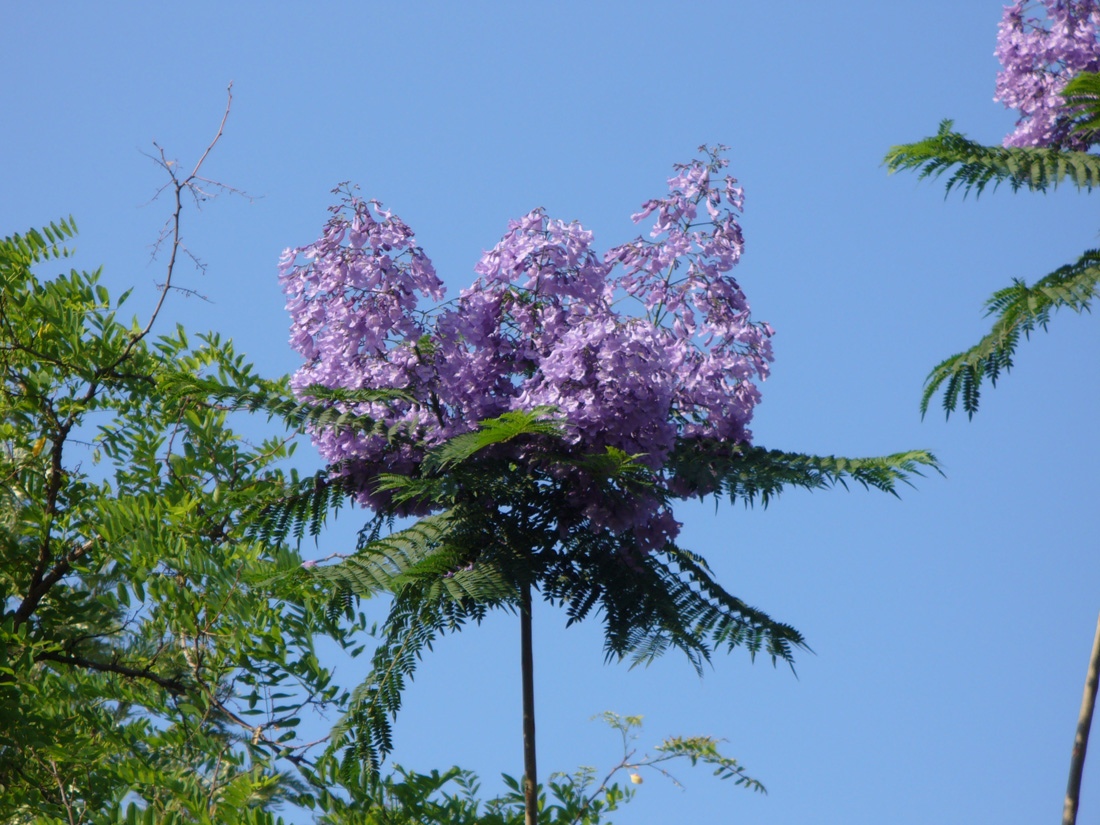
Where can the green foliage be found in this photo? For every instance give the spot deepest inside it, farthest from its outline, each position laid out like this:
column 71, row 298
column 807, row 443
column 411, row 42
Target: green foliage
column 975, row 166
column 454, row 797
column 752, row 474
column 155, row 660
column 500, row 530
column 325, row 407
column 1082, row 96
column 1019, row 309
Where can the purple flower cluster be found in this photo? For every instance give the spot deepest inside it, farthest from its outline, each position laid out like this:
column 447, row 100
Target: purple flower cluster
column 649, row 343
column 1039, row 58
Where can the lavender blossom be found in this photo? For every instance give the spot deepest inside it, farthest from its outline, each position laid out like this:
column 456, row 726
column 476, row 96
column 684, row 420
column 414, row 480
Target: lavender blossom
column 646, row 344
column 1039, row 58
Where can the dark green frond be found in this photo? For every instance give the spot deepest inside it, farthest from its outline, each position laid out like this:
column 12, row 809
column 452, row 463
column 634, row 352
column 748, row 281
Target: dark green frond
column 693, row 611
column 383, row 564
column 727, row 621
column 973, row 166
column 305, row 503
column 435, row 557
column 752, row 474
column 431, row 568
column 639, row 599
column 1082, row 96
column 659, row 601
column 431, row 596
column 1019, row 309
column 365, row 732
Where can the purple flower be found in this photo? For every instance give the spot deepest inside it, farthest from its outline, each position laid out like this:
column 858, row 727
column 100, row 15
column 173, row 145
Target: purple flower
column 1039, row 57
column 636, row 348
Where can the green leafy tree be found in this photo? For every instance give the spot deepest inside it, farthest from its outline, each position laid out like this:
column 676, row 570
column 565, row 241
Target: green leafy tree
column 153, row 664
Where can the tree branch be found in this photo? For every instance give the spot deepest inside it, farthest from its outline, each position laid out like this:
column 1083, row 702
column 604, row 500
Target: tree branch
column 174, row 686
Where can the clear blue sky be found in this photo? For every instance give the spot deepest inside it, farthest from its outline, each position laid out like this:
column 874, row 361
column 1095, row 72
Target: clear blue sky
column 951, row 629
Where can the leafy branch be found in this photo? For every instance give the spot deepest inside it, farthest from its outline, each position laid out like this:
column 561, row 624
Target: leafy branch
column 752, row 474
column 976, row 166
column 1082, row 96
column 1019, row 309
column 578, row 804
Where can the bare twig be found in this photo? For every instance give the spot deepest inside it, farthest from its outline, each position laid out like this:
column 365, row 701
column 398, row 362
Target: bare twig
column 41, row 581
column 211, row 805
column 178, row 186
column 221, row 128
column 64, row 796
column 189, row 293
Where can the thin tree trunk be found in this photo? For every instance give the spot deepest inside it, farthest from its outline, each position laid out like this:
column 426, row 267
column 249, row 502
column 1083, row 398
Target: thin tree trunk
column 1081, row 740
column 530, row 772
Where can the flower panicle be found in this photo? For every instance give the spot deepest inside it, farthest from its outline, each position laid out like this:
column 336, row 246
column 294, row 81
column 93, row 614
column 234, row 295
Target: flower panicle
column 1039, row 56
column 541, row 325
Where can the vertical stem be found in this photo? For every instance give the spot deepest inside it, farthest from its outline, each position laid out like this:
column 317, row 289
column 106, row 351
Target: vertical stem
column 530, row 772
column 1081, row 740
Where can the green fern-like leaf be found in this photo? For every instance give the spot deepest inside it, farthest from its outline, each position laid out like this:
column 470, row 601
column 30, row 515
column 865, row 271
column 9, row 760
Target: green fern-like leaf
column 432, row 557
column 304, row 504
column 1082, row 96
column 432, row 595
column 755, row 474
column 655, row 602
column 383, row 564
column 974, row 166
column 1020, row 310
column 727, row 621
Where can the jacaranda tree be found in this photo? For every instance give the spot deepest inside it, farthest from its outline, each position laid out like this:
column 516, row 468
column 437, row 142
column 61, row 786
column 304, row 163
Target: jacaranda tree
column 1044, row 60
column 541, row 426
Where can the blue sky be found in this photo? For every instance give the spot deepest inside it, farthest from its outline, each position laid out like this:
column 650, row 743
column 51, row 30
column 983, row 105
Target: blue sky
column 951, row 628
